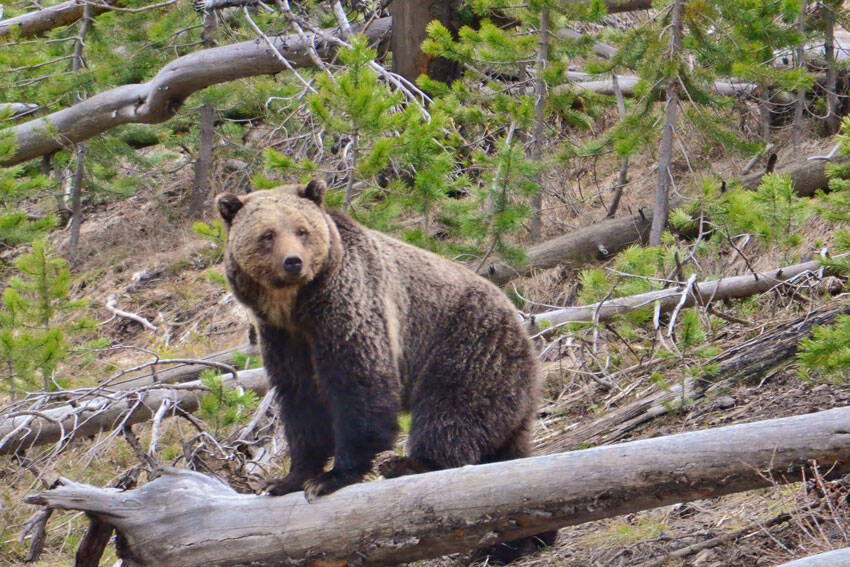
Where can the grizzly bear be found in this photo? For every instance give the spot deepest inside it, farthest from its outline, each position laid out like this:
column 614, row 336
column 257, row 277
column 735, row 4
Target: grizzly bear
column 355, row 326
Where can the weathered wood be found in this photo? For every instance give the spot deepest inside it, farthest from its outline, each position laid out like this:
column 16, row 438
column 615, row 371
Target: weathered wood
column 727, row 288
column 606, row 238
column 96, row 410
column 834, row 558
column 752, row 360
column 185, row 519
column 160, row 98
column 184, row 372
column 598, row 241
column 62, row 14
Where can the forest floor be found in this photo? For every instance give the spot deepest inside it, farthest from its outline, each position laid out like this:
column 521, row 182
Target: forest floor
column 141, row 251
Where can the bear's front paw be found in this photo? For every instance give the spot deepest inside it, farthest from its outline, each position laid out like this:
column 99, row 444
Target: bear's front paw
column 396, row 466
column 285, row 485
column 328, row 482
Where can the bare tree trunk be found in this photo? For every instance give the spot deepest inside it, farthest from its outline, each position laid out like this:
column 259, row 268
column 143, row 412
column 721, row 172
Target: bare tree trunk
column 799, row 104
column 833, row 121
column 536, row 224
column 76, row 202
column 203, row 162
column 410, row 17
column 665, row 175
column 185, row 519
column 764, row 113
column 77, row 64
column 623, row 179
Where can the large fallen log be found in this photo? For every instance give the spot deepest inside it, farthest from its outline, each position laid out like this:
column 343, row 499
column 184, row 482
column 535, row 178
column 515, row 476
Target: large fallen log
column 597, row 241
column 93, row 410
column 726, row 288
column 834, row 558
column 610, row 236
column 161, row 97
column 184, row 519
column 62, row 14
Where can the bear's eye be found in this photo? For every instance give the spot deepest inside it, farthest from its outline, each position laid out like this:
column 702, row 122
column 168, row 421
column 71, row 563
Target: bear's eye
column 302, row 232
column 267, row 236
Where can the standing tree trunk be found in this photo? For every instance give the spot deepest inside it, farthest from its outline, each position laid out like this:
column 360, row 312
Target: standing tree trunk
column 539, row 123
column 78, row 63
column 662, row 190
column 203, row 163
column 833, row 121
column 410, row 17
column 799, row 104
column 624, row 162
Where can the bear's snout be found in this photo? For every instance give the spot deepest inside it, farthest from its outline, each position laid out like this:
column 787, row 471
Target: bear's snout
column 292, row 265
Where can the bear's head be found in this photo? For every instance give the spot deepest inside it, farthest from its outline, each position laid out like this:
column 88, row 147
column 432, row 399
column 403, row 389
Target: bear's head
column 279, row 238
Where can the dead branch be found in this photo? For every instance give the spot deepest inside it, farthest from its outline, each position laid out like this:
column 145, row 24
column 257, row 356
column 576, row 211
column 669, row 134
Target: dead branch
column 749, row 361
column 99, row 409
column 161, row 97
column 727, row 288
column 110, row 306
column 184, row 519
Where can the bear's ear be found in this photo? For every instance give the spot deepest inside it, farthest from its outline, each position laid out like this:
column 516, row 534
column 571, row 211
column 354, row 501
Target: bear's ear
column 315, row 191
column 228, row 205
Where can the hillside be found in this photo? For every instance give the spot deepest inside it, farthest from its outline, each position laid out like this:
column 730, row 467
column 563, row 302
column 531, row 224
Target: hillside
column 481, row 174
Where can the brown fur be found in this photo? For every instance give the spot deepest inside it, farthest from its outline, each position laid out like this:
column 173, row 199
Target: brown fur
column 373, row 326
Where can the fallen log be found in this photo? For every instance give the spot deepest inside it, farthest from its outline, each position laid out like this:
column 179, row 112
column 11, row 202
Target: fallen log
column 834, row 558
column 606, row 238
column 752, row 360
column 185, row 519
column 186, row 371
column 725, row 288
column 62, row 14
column 627, row 83
column 598, row 241
column 160, row 98
column 93, row 410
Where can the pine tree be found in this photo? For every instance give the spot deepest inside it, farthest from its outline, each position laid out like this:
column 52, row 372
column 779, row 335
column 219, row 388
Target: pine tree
column 36, row 320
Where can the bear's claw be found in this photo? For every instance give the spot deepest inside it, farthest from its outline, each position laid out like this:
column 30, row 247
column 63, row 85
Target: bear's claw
column 285, row 485
column 328, row 482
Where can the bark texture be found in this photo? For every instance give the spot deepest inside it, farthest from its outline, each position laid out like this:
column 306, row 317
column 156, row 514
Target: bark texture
column 185, row 519
column 105, row 410
column 161, row 97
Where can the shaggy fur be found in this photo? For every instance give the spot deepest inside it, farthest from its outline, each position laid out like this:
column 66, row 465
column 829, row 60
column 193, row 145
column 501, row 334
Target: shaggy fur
column 369, row 327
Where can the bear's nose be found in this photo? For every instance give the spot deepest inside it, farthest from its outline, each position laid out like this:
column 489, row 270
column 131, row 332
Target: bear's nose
column 292, row 264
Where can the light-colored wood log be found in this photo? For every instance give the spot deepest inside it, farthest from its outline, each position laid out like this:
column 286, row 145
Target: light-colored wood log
column 185, row 519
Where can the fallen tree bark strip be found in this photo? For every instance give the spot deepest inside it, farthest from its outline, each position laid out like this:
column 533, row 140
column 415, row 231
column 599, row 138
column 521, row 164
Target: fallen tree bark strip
column 606, row 238
column 184, row 519
column 103, row 410
column 726, row 288
column 744, row 363
column 161, row 97
column 834, row 558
